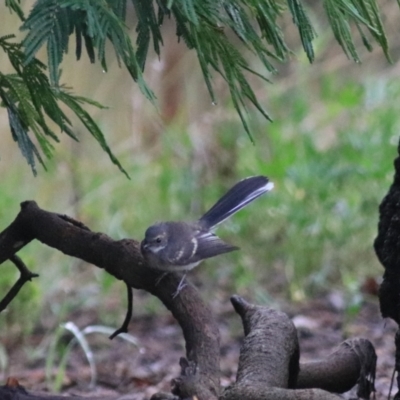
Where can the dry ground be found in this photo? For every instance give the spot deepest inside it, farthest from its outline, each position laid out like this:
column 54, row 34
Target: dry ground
column 138, row 372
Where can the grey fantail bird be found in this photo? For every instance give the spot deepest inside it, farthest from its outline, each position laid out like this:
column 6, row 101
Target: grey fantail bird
column 181, row 246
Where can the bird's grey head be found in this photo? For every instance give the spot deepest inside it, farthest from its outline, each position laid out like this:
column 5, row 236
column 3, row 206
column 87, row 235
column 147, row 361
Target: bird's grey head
column 155, row 238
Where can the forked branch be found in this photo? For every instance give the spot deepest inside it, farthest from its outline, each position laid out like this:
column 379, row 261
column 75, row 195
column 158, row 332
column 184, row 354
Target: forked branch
column 25, row 276
column 269, row 358
column 123, row 260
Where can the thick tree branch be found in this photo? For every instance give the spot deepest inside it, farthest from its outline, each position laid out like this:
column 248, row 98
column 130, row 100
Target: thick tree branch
column 353, row 361
column 123, row 260
column 263, row 352
column 387, row 248
column 269, row 358
column 269, row 362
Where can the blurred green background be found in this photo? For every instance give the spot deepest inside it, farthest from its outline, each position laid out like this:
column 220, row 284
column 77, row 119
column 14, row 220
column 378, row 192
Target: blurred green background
column 329, row 152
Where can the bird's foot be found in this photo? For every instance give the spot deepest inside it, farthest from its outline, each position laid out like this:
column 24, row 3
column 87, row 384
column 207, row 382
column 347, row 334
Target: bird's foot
column 181, row 285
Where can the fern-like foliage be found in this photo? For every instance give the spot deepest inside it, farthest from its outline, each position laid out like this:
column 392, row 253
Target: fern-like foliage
column 53, row 21
column 365, row 15
column 206, row 26
column 203, row 25
column 30, row 100
column 14, row 6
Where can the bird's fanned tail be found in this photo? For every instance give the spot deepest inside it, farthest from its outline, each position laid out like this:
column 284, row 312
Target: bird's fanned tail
column 239, row 196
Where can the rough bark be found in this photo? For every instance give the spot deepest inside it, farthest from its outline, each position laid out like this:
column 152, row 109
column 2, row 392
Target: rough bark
column 269, row 358
column 387, row 248
column 353, row 360
column 123, row 260
column 266, row 357
column 269, row 362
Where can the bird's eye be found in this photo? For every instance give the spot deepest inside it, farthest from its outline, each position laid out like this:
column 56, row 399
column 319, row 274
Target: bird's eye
column 158, row 240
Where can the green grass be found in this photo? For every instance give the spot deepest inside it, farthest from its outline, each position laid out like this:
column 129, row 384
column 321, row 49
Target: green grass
column 329, row 152
column 332, row 166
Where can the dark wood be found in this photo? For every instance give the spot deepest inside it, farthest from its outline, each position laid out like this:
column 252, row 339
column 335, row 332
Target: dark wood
column 123, row 260
column 269, row 357
column 387, row 248
column 354, row 359
column 128, row 316
column 25, row 276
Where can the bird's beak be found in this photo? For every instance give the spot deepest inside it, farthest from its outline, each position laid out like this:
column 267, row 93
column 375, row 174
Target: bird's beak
column 145, row 245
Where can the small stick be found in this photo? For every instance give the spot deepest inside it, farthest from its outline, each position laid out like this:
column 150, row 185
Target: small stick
column 26, row 275
column 129, row 311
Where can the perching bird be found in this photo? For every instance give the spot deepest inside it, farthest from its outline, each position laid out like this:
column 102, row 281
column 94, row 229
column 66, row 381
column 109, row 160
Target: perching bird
column 181, row 246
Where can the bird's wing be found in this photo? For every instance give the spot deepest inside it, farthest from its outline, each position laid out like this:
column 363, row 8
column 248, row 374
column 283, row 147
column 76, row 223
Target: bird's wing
column 210, row 245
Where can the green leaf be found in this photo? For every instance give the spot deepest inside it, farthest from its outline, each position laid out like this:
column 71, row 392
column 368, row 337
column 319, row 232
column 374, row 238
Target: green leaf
column 19, row 132
column 301, row 20
column 370, row 13
column 53, row 21
column 73, row 103
column 13, row 5
column 204, row 25
column 339, row 21
column 29, row 99
column 147, row 23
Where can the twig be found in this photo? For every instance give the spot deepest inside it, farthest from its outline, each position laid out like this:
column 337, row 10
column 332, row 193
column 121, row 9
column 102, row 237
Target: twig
column 25, row 276
column 124, row 326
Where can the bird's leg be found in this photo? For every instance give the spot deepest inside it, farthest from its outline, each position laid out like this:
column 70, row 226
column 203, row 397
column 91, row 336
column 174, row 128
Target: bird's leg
column 161, row 277
column 181, row 285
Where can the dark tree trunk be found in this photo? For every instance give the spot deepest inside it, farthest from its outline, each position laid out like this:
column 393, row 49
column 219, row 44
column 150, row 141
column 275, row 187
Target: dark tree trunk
column 387, row 248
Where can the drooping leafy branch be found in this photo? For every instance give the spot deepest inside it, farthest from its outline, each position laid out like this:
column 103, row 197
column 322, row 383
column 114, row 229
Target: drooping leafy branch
column 29, row 99
column 204, row 25
column 364, row 14
column 53, row 21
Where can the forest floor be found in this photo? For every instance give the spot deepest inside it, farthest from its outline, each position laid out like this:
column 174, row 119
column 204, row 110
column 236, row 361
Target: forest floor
column 139, row 371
